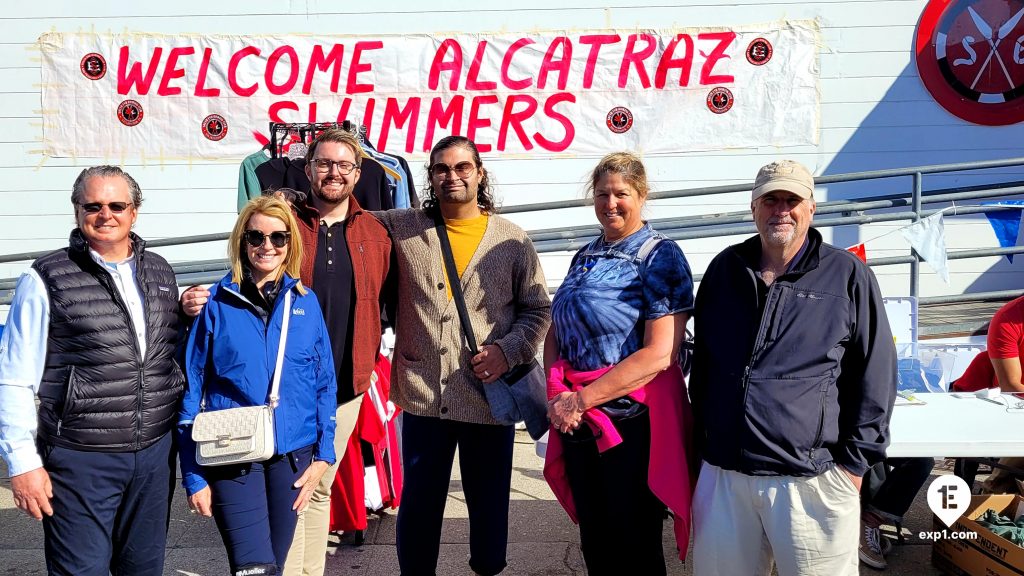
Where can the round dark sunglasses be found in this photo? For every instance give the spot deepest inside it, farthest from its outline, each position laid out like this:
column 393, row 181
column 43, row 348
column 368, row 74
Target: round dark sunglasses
column 255, row 238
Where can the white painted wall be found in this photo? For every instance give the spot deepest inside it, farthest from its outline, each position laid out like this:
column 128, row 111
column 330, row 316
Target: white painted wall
column 875, row 113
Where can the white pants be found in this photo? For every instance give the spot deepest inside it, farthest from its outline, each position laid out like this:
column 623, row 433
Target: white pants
column 308, row 553
column 806, row 526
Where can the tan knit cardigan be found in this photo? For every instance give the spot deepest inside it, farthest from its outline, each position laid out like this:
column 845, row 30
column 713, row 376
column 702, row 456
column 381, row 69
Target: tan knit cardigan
column 508, row 304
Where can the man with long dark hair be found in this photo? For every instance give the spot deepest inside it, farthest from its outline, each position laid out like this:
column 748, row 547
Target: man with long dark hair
column 435, row 378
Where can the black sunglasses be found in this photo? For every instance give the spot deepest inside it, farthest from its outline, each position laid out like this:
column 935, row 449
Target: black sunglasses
column 94, row 207
column 255, row 238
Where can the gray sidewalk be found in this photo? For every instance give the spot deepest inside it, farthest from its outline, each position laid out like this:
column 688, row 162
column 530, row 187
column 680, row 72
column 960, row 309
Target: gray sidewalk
column 542, row 540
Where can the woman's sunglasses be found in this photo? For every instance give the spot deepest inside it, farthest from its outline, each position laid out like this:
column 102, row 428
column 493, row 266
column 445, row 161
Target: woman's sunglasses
column 255, row 238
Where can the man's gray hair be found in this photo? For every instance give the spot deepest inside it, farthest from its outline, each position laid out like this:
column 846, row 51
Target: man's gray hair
column 105, row 171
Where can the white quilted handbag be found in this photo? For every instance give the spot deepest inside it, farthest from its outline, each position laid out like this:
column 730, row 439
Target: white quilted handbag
column 245, row 434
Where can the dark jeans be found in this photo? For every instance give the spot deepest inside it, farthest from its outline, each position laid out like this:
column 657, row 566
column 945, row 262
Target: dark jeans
column 109, row 510
column 252, row 504
column 485, row 460
column 620, row 519
column 890, row 487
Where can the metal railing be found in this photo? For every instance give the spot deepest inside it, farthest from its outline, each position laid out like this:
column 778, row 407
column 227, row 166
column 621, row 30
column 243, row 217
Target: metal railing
column 909, row 206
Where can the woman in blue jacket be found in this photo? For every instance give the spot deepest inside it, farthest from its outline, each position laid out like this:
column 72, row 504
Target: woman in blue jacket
column 230, row 361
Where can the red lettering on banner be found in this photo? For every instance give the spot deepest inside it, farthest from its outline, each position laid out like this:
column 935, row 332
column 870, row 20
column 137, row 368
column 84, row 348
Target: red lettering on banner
column 127, row 78
column 274, row 112
column 355, row 67
column 631, row 56
column 201, row 89
column 549, row 64
column 550, row 112
column 293, row 75
column 476, row 122
column 596, row 41
column 371, row 103
column 346, row 103
column 453, row 66
column 667, row 62
column 724, row 40
column 474, row 70
column 513, row 119
column 317, row 61
column 410, row 114
column 233, row 71
column 506, row 63
column 441, row 117
column 171, row 71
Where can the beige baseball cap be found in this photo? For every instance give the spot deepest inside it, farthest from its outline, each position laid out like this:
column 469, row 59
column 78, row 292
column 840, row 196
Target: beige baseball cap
column 788, row 175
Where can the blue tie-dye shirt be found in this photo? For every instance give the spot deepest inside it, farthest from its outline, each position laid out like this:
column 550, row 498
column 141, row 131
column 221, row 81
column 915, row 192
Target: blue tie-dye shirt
column 600, row 309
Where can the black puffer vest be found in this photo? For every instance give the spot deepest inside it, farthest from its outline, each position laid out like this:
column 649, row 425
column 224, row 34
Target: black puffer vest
column 97, row 393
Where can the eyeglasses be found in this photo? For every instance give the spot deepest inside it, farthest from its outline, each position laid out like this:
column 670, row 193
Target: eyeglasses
column 462, row 169
column 255, row 238
column 95, row 207
column 323, row 166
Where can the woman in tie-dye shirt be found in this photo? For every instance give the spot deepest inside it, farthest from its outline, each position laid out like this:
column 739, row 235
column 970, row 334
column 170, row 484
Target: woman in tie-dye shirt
column 622, row 309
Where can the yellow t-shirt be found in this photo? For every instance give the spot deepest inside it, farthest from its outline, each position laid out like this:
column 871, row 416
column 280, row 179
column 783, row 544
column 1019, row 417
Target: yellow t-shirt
column 465, row 236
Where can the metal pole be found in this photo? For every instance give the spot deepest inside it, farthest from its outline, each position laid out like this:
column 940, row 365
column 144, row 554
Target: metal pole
column 916, row 207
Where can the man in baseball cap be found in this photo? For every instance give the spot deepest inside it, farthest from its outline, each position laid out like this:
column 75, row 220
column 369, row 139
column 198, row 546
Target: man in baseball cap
column 793, row 383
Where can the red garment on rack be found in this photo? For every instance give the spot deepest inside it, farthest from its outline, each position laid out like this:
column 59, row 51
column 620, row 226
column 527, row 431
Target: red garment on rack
column 348, row 494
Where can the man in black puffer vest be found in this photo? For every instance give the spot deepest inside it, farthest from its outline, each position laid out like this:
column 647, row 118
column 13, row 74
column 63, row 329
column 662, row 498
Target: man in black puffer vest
column 92, row 331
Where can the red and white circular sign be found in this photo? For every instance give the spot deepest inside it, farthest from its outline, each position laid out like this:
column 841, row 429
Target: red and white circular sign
column 619, row 119
column 130, row 113
column 720, row 100
column 215, row 127
column 970, row 54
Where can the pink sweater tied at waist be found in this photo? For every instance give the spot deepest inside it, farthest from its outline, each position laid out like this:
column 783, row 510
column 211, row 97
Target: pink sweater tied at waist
column 671, row 473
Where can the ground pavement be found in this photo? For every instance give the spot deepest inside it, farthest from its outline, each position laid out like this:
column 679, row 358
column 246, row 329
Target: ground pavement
column 542, row 540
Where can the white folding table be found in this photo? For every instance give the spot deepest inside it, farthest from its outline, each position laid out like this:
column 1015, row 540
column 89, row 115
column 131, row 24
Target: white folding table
column 947, row 426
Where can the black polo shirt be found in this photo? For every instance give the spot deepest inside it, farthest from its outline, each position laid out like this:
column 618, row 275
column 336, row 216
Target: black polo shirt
column 335, row 288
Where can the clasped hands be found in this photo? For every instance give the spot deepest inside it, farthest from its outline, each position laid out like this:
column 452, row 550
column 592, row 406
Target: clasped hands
column 566, row 411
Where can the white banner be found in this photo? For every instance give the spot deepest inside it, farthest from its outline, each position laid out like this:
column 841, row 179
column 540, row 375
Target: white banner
column 528, row 94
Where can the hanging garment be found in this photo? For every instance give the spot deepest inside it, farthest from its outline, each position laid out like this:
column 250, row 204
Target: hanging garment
column 348, row 494
column 248, row 182
column 371, row 191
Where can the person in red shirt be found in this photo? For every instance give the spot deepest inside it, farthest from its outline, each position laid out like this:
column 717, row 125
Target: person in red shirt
column 1006, row 345
column 999, row 366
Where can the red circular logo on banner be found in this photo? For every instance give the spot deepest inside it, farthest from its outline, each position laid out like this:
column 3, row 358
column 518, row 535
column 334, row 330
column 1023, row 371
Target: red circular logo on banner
column 970, row 55
column 720, row 100
column 619, row 119
column 93, row 66
column 759, row 51
column 129, row 112
column 215, row 127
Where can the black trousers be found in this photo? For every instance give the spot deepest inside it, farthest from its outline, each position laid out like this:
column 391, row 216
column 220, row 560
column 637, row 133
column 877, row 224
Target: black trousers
column 485, row 458
column 109, row 510
column 620, row 519
column 890, row 487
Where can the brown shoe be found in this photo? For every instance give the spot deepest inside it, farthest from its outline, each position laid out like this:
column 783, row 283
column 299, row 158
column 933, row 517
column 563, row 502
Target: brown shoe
column 870, row 551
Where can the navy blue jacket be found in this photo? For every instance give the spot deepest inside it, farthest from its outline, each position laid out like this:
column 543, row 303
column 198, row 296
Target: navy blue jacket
column 808, row 382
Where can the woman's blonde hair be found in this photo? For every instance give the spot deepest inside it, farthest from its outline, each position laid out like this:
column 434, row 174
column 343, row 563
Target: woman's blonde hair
column 274, row 208
column 626, row 164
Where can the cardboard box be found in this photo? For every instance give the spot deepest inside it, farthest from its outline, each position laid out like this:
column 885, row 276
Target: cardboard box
column 988, row 554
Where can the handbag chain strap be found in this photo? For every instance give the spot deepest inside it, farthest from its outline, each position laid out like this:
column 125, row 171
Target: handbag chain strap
column 454, row 282
column 275, row 382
